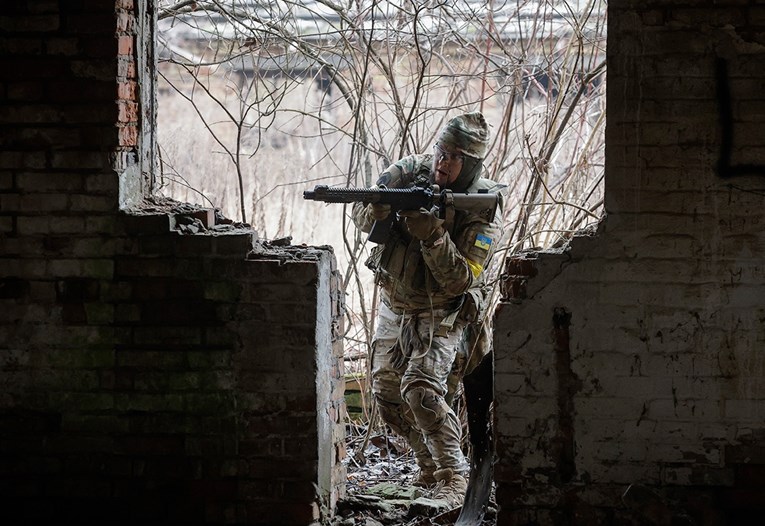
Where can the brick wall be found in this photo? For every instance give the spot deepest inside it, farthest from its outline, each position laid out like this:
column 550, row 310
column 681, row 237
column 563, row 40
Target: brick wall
column 634, row 356
column 148, row 375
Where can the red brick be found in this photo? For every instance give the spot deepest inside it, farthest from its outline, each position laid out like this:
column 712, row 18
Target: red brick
column 266, row 468
column 81, row 90
column 126, row 90
column 519, row 266
column 25, row 91
column 128, row 136
column 125, row 22
column 26, row 69
column 212, row 489
column 98, row 46
column 125, row 45
column 259, row 489
column 150, row 445
column 126, row 68
column 36, row 23
column 90, row 23
column 128, row 111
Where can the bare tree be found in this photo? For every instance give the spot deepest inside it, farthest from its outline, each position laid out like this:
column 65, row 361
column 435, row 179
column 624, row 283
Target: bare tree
column 287, row 93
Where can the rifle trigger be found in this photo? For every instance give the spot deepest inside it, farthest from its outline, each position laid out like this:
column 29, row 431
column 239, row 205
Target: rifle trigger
column 447, row 198
column 445, row 205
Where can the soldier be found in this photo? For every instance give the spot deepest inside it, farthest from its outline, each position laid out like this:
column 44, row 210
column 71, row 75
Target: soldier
column 431, row 275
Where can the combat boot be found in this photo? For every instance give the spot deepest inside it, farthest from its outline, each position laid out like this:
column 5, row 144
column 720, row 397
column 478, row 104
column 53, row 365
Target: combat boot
column 424, row 479
column 452, row 487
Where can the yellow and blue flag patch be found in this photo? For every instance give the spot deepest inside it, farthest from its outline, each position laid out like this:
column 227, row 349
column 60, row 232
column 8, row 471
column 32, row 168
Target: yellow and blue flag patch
column 475, row 267
column 482, row 241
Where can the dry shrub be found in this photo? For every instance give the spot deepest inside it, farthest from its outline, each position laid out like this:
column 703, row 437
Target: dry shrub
column 346, row 104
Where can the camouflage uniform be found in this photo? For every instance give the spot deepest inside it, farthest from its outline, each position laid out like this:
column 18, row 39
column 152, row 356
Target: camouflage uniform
column 430, row 291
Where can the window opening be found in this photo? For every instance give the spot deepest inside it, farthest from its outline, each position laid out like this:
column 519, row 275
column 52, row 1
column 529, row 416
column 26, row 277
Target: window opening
column 259, row 101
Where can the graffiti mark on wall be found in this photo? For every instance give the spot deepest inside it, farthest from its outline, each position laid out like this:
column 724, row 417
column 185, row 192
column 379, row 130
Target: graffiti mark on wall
column 724, row 167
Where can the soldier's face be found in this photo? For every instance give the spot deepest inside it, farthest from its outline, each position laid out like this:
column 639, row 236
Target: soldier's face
column 447, row 164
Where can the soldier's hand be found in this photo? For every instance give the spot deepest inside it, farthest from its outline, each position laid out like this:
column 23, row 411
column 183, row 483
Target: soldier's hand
column 421, row 223
column 377, row 211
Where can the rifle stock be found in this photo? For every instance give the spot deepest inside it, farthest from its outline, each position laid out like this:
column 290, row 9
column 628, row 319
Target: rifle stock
column 483, row 204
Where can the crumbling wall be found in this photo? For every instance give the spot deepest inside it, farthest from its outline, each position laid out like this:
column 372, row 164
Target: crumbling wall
column 634, row 356
column 156, row 365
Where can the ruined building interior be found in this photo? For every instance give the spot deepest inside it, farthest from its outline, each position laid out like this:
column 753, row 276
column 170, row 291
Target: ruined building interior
column 151, row 376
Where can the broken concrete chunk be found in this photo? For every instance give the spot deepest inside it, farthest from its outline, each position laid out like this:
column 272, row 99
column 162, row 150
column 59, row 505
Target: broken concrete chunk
column 391, row 491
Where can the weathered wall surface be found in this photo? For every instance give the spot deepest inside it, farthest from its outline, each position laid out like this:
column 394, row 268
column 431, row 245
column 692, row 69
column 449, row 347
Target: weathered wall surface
column 637, row 355
column 147, row 375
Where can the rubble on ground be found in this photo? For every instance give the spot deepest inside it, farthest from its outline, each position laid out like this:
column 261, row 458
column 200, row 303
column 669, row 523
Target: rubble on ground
column 380, row 492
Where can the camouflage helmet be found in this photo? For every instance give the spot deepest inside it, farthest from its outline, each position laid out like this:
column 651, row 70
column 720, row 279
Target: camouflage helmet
column 467, row 133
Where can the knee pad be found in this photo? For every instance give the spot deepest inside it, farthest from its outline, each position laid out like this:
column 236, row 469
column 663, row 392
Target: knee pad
column 394, row 415
column 429, row 409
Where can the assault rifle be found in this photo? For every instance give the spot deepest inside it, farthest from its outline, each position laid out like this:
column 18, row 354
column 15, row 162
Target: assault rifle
column 482, row 203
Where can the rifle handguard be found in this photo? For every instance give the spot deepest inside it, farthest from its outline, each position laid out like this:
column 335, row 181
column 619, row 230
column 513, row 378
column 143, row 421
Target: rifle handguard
column 483, row 204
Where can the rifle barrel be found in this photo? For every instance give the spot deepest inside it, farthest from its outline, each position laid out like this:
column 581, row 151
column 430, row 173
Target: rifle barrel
column 352, row 195
column 411, row 198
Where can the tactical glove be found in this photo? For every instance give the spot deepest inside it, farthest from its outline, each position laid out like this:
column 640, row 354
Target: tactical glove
column 377, row 211
column 422, row 224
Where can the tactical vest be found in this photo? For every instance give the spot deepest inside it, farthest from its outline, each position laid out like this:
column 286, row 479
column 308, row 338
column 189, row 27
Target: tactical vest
column 401, row 271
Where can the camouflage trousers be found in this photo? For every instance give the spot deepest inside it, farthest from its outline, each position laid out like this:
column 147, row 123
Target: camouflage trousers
column 412, row 357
